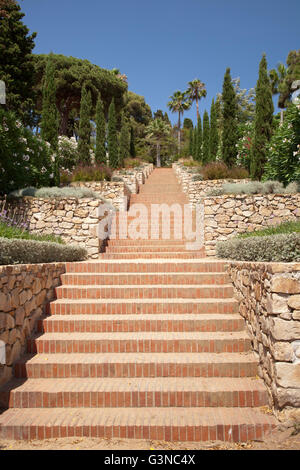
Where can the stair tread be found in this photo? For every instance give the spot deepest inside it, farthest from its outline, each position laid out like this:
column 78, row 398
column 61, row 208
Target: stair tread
column 134, row 416
column 145, row 316
column 211, row 384
column 147, row 300
column 146, row 286
column 139, row 358
column 146, row 335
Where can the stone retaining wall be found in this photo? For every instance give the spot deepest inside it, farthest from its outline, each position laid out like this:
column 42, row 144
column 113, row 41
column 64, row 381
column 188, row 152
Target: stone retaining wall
column 134, row 178
column 74, row 220
column 25, row 290
column 114, row 192
column 228, row 215
column 269, row 297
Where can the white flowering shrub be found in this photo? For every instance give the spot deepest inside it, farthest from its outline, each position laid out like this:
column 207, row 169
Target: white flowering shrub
column 67, row 152
column 284, row 150
column 244, row 144
column 25, row 159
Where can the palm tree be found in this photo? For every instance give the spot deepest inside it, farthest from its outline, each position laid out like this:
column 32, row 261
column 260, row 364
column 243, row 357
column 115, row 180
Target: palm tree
column 156, row 131
column 178, row 104
column 277, row 77
column 195, row 92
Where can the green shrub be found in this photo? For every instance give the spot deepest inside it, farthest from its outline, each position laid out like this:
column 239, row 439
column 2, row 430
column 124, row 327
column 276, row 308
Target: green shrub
column 7, row 231
column 132, row 162
column 282, row 247
column 17, row 251
column 220, row 171
column 47, row 193
column 289, row 226
column 87, row 173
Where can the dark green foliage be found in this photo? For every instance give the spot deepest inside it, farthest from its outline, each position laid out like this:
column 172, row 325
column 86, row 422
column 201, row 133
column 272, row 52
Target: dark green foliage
column 285, row 227
column 85, row 126
column 71, row 75
column 158, row 114
column 198, row 154
column 282, row 247
column 293, row 74
column 214, row 136
column 100, row 154
column 124, row 149
column 188, row 123
column 263, row 121
column 16, row 60
column 229, row 137
column 112, row 139
column 206, row 138
column 49, row 123
column 132, row 143
column 191, row 142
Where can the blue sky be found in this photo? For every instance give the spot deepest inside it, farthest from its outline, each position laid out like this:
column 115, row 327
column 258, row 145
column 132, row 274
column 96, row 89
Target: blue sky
column 161, row 45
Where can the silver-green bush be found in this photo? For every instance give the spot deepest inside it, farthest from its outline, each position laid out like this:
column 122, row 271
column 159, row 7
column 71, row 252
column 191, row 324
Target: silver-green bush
column 56, row 192
column 19, row 251
column 255, row 187
column 283, row 247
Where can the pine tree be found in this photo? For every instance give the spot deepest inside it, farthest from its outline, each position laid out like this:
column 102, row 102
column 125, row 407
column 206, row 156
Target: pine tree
column 206, row 138
column 100, row 154
column 230, row 136
column 16, row 60
column 84, row 132
column 198, row 148
column 124, row 141
column 263, row 121
column 49, row 122
column 132, row 143
column 112, row 139
column 214, row 136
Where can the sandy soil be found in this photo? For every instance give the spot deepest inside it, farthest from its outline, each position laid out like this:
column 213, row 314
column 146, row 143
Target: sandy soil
column 285, row 437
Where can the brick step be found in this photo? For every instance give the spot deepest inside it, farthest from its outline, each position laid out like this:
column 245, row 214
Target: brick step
column 150, row 266
column 142, row 279
column 128, row 242
column 137, row 365
column 146, row 255
column 133, row 392
column 142, row 342
column 144, row 306
column 146, row 248
column 129, row 323
column 168, row 424
column 145, row 292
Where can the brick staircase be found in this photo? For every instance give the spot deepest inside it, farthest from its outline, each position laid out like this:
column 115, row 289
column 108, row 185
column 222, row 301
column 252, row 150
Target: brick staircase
column 145, row 343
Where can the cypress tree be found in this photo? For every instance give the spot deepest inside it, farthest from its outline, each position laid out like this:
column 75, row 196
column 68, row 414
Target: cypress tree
column 124, row 141
column 230, row 136
column 198, row 148
column 84, row 132
column 191, row 141
column 132, row 143
column 112, row 138
column 100, row 154
column 206, row 138
column 49, row 122
column 263, row 121
column 214, row 136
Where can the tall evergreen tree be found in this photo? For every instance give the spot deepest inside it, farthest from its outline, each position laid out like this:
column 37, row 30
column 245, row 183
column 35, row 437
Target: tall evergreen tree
column 214, row 137
column 230, row 136
column 112, row 138
column 132, row 143
column 264, row 109
column 100, row 154
column 124, row 141
column 206, row 138
column 199, row 141
column 16, row 60
column 191, row 141
column 49, row 122
column 84, row 132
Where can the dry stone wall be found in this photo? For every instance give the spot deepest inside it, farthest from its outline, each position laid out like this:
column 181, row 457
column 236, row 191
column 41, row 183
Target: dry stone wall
column 269, row 299
column 134, row 178
column 114, row 192
column 228, row 215
column 74, row 220
column 25, row 290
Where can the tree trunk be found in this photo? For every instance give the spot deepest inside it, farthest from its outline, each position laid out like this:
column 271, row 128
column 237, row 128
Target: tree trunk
column 197, row 104
column 281, row 117
column 158, row 159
